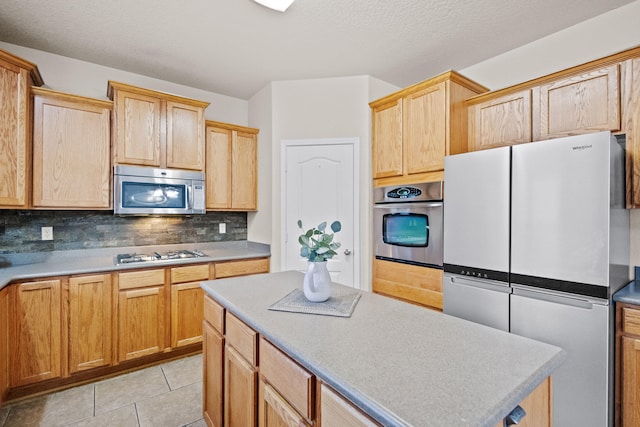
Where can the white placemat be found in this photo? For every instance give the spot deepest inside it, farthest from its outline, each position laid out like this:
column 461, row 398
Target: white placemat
column 340, row 303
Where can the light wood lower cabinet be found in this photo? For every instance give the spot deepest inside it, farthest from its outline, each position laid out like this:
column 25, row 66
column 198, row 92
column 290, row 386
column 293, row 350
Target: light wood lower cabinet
column 187, row 302
column 241, row 268
column 141, row 313
column 36, row 333
column 411, row 283
column 90, row 316
column 4, row 343
column 275, row 411
column 337, row 411
column 627, row 365
column 240, row 389
column 537, row 407
column 213, row 373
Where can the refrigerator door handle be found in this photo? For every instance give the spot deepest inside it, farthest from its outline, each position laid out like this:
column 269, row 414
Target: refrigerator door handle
column 483, row 284
column 542, row 295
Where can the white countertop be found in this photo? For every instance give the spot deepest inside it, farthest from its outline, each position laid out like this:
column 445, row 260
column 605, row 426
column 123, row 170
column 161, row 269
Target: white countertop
column 402, row 364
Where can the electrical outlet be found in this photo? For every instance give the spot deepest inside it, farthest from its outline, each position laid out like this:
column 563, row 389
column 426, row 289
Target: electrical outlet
column 47, row 233
column 222, row 228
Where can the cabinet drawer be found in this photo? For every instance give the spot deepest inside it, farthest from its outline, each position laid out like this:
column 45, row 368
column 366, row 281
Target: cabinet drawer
column 214, row 314
column 293, row 382
column 631, row 321
column 140, row 279
column 242, row 338
column 242, row 268
column 191, row 273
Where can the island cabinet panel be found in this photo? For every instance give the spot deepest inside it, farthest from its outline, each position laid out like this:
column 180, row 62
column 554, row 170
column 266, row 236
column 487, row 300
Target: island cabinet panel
column 213, row 374
column 415, row 284
column 4, row 343
column 294, row 383
column 537, row 406
column 90, row 317
column 156, row 129
column 16, row 77
column 337, row 411
column 242, row 338
column 71, row 151
column 505, row 120
column 240, row 389
column 583, row 103
column 187, row 304
column 231, row 167
column 36, row 332
column 275, row 411
column 241, row 268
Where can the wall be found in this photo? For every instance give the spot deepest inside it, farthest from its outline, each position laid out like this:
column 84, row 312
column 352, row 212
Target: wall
column 318, row 108
column 603, row 35
column 101, row 229
column 86, row 79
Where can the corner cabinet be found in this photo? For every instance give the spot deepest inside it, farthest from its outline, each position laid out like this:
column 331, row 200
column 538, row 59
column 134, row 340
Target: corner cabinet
column 415, row 128
column 156, row 129
column 16, row 110
column 231, row 167
column 71, row 151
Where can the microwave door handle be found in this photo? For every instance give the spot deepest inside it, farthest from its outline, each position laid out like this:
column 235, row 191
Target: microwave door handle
column 190, row 197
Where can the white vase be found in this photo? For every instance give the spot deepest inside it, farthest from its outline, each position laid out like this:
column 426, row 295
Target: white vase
column 317, row 282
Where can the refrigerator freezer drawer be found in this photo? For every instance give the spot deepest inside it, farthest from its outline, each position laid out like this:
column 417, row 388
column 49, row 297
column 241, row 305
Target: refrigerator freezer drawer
column 480, row 301
column 581, row 385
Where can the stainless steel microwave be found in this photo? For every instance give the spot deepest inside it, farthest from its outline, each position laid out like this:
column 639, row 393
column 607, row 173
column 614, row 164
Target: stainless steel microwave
column 151, row 191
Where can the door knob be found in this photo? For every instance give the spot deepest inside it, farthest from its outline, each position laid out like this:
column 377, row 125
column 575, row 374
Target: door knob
column 347, row 252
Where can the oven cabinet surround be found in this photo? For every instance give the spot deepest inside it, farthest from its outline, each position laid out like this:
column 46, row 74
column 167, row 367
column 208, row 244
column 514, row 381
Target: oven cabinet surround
column 71, row 151
column 410, row 283
column 305, row 370
column 17, row 76
column 596, row 96
column 60, row 330
column 415, row 128
column 231, row 167
column 156, row 129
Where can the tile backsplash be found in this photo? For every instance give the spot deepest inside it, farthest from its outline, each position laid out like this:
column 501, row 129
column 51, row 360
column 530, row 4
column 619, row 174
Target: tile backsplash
column 20, row 230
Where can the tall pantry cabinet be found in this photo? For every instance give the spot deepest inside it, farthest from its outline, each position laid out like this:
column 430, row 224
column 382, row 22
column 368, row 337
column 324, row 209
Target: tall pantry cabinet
column 16, row 110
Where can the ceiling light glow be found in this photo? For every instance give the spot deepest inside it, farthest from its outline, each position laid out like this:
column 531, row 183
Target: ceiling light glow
column 279, row 5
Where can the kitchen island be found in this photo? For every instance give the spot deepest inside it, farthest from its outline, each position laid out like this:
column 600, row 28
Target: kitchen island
column 400, row 364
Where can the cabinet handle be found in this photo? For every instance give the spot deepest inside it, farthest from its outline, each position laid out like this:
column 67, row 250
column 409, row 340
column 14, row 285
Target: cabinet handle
column 347, row 252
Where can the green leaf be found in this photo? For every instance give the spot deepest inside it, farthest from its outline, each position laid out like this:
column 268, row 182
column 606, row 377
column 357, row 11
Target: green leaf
column 322, row 226
column 322, row 250
column 300, row 224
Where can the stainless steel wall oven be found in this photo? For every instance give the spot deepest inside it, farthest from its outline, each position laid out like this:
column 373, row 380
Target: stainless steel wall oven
column 407, row 221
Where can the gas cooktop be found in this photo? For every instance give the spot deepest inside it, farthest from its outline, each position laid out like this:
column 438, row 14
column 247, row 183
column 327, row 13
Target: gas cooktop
column 155, row 256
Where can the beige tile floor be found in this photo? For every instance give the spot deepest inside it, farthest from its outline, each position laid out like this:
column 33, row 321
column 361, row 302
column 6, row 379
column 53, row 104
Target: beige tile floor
column 166, row 395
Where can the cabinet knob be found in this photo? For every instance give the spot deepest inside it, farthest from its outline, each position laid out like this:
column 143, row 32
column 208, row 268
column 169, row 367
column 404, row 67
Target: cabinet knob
column 347, row 252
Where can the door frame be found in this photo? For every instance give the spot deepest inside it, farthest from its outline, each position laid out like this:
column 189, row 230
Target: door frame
column 355, row 143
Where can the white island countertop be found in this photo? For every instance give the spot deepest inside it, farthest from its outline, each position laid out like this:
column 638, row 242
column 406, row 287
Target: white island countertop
column 403, row 365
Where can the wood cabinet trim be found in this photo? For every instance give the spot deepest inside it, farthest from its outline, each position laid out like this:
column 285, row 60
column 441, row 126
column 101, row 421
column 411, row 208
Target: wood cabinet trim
column 111, row 85
column 32, row 68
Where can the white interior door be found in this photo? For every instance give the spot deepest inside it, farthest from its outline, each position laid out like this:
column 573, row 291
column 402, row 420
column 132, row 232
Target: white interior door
column 318, row 186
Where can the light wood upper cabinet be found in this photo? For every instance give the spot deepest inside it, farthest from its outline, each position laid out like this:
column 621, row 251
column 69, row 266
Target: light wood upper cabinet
column 156, row 129
column 90, row 316
column 36, row 332
column 71, row 151
column 231, row 167
column 630, row 81
column 583, row 103
column 501, row 121
column 415, row 128
column 16, row 109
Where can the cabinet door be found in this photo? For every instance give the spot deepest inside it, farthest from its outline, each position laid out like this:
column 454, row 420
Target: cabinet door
column 631, row 127
column 141, row 322
column 138, row 120
column 218, row 171
column 241, row 268
column 187, row 302
column 387, row 140
column 630, row 381
column 37, row 332
column 244, row 171
column 90, row 311
column 213, row 372
column 424, row 129
column 14, row 135
column 336, row 411
column 4, row 343
column 185, row 136
column 71, row 152
column 585, row 103
column 274, row 411
column 500, row 122
column 240, row 390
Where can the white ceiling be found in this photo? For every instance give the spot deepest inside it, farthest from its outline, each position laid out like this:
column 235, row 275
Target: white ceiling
column 235, row 47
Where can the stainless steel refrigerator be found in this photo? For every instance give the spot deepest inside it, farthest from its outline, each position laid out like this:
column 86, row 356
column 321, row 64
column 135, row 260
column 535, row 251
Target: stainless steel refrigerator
column 536, row 241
